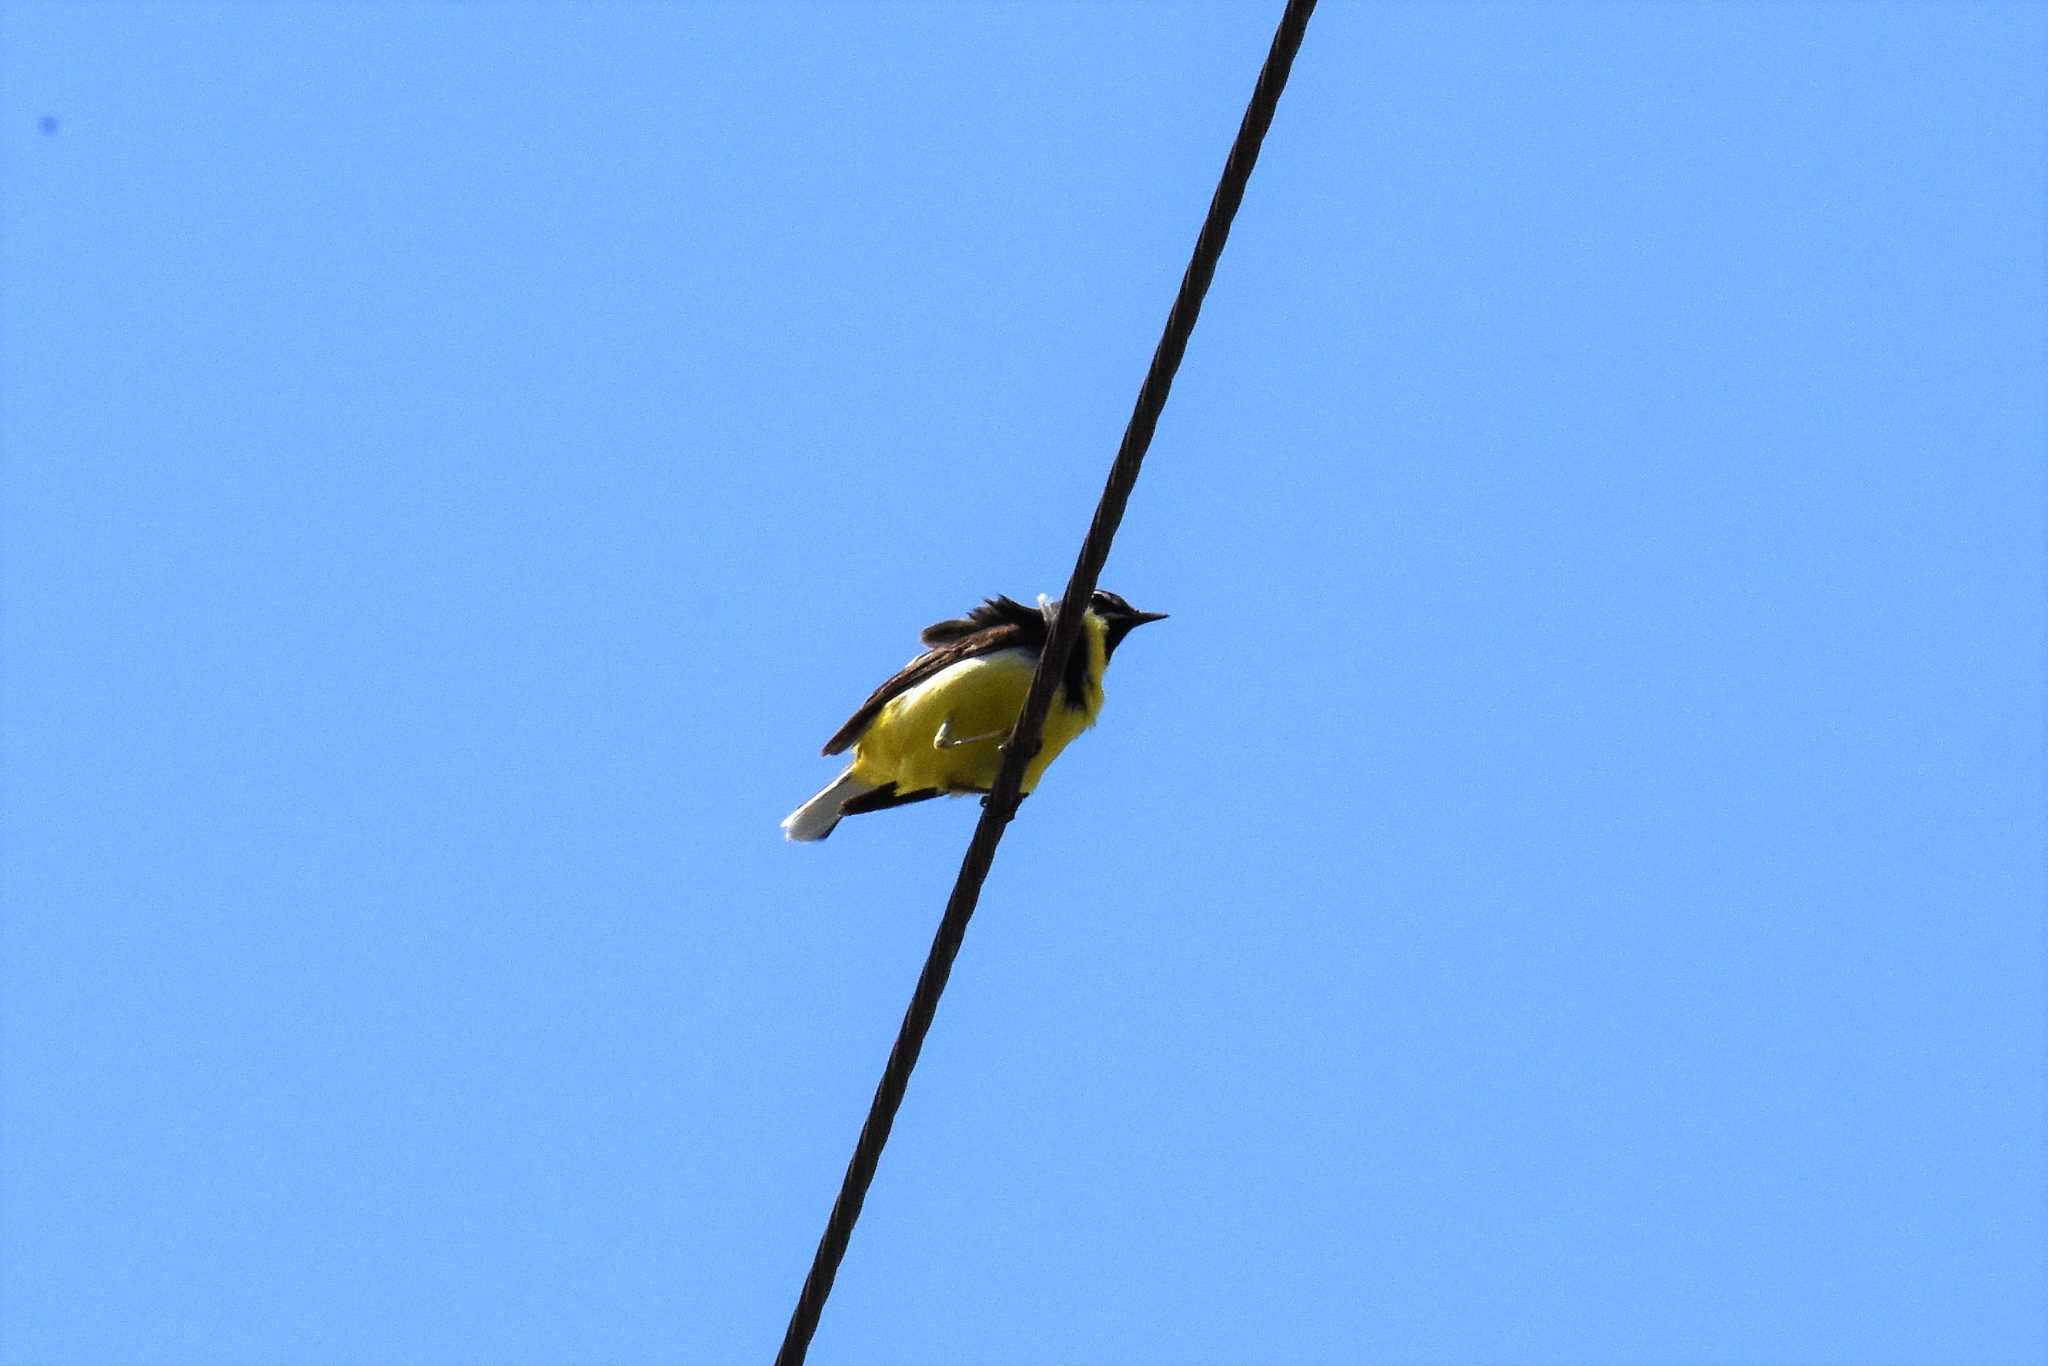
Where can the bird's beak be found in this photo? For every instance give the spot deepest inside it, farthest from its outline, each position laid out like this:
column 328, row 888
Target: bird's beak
column 1140, row 618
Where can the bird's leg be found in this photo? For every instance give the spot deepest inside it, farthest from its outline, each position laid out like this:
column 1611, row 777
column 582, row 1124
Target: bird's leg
column 945, row 739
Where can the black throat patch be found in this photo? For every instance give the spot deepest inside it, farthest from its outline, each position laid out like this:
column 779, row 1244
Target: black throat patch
column 1074, row 682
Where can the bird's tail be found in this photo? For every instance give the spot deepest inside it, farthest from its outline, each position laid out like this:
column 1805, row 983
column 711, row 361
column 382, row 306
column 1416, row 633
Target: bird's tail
column 815, row 818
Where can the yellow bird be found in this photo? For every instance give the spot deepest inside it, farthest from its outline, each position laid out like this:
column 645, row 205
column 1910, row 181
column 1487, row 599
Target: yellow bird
column 939, row 725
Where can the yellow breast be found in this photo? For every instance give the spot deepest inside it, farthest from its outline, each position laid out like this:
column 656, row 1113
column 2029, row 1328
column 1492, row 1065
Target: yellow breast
column 971, row 708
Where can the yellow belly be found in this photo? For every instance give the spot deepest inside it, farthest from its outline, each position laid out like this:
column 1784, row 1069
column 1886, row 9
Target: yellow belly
column 976, row 701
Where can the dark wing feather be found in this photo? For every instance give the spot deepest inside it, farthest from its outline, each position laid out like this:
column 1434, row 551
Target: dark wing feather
column 996, row 611
column 998, row 624
column 883, row 798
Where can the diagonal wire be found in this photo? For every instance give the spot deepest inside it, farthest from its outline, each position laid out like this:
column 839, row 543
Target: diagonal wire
column 1001, row 803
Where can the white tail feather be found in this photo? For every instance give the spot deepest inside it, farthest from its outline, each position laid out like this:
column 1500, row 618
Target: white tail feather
column 815, row 818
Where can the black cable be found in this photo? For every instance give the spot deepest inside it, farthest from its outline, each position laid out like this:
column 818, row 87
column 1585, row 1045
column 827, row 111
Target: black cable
column 1001, row 803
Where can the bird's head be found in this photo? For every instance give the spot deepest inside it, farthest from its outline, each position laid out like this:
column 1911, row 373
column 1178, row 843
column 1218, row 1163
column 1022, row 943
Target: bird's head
column 1119, row 618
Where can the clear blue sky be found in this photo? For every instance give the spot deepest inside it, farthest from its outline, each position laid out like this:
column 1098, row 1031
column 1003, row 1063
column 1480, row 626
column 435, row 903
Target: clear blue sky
column 1566, row 886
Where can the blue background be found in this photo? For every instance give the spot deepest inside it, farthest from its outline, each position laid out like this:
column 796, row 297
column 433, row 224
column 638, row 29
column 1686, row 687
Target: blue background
column 1566, row 886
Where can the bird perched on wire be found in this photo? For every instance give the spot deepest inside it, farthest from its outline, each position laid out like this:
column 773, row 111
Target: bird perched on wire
column 939, row 725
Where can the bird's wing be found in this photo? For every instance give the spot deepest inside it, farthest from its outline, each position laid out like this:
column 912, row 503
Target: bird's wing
column 998, row 624
column 996, row 611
